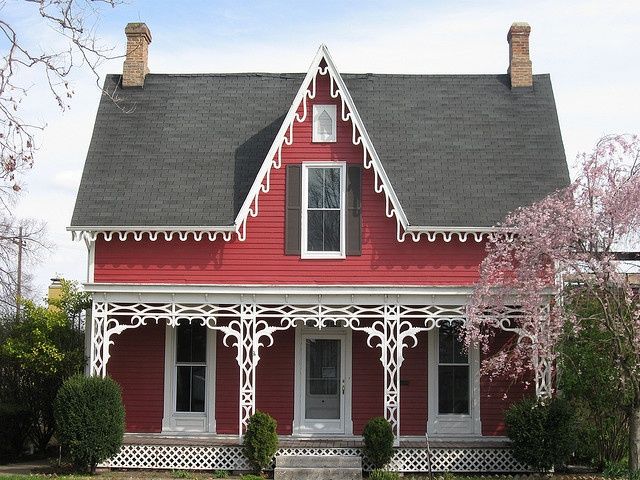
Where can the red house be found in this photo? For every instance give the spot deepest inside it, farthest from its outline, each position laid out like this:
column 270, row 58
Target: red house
column 304, row 245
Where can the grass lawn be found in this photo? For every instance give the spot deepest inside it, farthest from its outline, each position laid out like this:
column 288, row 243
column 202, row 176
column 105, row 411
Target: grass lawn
column 182, row 474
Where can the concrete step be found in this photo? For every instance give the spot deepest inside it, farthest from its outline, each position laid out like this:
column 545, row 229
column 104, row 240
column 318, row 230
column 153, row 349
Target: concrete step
column 317, row 474
column 309, row 467
column 325, row 461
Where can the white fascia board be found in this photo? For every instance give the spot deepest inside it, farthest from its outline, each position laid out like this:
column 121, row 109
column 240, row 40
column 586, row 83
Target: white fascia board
column 129, row 228
column 249, row 289
column 278, row 294
column 419, row 228
column 322, row 54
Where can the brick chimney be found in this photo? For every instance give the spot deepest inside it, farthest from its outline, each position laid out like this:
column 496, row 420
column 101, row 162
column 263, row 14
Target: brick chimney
column 519, row 61
column 136, row 63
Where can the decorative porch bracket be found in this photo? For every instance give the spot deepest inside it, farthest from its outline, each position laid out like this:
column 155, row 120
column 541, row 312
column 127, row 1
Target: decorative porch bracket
column 394, row 327
column 392, row 335
column 542, row 366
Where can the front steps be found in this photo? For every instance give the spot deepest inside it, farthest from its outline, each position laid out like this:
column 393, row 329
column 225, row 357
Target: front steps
column 308, row 467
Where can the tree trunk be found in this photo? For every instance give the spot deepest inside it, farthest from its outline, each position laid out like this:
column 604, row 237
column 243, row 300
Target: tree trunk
column 634, row 437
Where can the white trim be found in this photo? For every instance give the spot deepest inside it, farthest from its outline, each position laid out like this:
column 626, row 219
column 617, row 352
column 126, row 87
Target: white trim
column 91, row 261
column 188, row 422
column 279, row 294
column 452, row 424
column 359, row 137
column 300, row 426
column 261, row 182
column 317, row 111
column 305, row 253
column 90, row 234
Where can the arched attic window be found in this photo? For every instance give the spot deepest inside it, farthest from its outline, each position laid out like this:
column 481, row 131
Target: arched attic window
column 324, row 123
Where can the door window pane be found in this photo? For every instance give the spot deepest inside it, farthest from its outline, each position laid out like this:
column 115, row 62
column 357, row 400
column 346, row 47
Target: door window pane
column 323, row 379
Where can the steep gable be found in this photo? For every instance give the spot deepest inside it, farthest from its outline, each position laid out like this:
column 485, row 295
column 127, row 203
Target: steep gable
column 450, row 153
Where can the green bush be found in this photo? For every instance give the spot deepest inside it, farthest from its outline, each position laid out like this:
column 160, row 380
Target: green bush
column 90, row 419
column 615, row 469
column 379, row 474
column 14, row 429
column 543, row 432
column 251, row 477
column 378, row 441
column 260, row 440
column 590, row 380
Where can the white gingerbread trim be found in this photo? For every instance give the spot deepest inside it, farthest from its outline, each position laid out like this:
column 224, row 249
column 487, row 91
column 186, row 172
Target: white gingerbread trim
column 273, row 159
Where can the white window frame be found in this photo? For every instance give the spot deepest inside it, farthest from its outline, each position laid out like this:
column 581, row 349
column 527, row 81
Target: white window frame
column 453, row 424
column 188, row 422
column 332, row 111
column 305, row 253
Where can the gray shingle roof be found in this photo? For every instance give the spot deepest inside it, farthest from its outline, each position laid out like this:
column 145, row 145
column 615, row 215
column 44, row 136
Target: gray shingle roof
column 459, row 150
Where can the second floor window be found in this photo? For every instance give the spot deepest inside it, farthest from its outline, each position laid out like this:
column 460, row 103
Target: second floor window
column 323, row 213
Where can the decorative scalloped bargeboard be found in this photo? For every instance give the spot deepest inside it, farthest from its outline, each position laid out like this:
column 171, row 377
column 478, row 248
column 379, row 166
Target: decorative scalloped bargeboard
column 188, row 457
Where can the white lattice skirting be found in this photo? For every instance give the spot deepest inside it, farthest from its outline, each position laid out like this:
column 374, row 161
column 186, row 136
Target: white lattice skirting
column 463, row 460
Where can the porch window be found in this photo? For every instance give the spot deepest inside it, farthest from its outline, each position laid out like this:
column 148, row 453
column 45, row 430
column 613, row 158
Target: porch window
column 191, row 367
column 453, row 371
column 323, row 213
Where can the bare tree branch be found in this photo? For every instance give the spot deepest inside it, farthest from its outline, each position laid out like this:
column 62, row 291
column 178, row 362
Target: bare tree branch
column 71, row 19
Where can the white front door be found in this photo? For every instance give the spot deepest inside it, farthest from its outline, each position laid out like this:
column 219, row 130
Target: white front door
column 322, row 381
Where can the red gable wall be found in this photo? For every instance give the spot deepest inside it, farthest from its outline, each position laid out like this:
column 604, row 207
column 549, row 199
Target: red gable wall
column 260, row 258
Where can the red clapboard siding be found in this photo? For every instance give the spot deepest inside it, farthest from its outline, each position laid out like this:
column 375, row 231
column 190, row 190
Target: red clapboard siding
column 497, row 394
column 275, row 380
column 137, row 364
column 413, row 397
column 227, row 388
column 367, row 384
column 260, row 258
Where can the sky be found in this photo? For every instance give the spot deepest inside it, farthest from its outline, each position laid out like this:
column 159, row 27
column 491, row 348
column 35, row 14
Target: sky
column 588, row 47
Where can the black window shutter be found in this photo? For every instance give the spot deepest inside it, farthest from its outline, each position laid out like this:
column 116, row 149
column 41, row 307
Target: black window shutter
column 293, row 210
column 354, row 210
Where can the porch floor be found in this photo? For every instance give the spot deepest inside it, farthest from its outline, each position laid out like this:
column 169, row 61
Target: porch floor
column 299, row 442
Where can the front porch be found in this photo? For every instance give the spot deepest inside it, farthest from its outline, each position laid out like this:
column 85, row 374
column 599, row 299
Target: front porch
column 383, row 341
column 217, row 452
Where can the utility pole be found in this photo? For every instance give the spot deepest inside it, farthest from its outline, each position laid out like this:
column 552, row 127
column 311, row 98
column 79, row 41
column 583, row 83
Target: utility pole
column 19, row 281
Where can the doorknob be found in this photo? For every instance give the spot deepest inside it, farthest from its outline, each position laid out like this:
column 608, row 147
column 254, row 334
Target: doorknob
column 343, row 386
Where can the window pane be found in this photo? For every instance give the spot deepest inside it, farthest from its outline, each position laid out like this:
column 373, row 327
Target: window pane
column 314, row 230
column 331, row 230
column 191, row 343
column 461, row 389
column 316, row 187
column 197, row 388
column 453, row 389
column 331, row 188
column 450, row 348
column 324, row 124
column 183, row 389
column 445, row 389
column 445, row 343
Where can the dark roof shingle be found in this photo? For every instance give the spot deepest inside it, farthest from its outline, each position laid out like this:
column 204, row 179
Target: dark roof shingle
column 459, row 150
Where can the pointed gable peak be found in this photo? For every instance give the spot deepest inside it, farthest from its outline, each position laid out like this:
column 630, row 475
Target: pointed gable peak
column 322, row 64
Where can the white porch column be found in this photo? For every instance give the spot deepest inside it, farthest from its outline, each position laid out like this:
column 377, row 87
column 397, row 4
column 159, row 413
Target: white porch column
column 391, row 362
column 247, row 361
column 99, row 343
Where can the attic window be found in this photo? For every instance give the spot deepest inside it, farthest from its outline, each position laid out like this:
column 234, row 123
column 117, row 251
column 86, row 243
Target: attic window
column 324, row 123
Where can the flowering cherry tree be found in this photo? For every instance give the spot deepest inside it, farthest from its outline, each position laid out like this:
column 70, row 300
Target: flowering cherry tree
column 560, row 247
